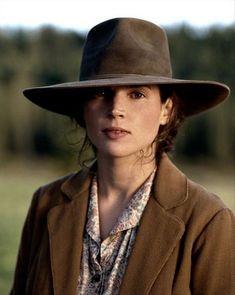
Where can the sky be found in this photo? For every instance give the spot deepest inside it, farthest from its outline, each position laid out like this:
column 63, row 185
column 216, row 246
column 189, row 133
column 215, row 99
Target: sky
column 81, row 15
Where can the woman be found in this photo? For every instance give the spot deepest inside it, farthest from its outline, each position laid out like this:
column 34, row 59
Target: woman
column 130, row 223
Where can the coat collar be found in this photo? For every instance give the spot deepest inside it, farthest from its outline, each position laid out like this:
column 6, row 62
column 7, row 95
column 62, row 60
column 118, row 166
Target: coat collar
column 78, row 182
column 171, row 185
column 158, row 235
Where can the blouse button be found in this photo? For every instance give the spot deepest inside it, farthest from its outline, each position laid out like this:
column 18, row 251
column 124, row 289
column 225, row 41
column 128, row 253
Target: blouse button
column 96, row 277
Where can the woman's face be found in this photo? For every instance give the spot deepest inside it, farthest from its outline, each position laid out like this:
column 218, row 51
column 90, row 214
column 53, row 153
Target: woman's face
column 123, row 121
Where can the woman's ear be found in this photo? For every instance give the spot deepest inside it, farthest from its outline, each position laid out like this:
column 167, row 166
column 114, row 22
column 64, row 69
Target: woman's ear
column 166, row 111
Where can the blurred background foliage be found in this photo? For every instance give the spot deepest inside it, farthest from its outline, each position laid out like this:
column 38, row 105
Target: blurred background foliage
column 37, row 146
column 48, row 56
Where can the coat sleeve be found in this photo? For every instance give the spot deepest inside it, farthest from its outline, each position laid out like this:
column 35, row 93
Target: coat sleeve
column 213, row 271
column 24, row 253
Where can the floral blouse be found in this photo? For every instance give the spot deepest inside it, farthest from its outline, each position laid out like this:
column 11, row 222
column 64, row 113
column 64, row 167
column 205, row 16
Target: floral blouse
column 104, row 262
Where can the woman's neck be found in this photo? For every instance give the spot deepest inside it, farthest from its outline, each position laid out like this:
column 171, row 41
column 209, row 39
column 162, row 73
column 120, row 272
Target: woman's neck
column 118, row 178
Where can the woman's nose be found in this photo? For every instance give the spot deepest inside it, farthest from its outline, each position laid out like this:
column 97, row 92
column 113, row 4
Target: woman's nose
column 117, row 108
column 117, row 113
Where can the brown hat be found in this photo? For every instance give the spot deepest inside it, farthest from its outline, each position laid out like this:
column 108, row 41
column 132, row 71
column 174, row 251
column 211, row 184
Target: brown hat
column 126, row 51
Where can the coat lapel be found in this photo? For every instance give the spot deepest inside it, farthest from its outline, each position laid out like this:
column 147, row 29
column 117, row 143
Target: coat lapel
column 66, row 225
column 159, row 233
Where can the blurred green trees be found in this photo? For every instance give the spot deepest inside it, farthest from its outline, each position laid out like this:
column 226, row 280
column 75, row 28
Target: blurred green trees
column 207, row 55
column 47, row 56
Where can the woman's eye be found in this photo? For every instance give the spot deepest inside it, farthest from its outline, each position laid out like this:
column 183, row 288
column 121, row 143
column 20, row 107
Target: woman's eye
column 137, row 95
column 99, row 94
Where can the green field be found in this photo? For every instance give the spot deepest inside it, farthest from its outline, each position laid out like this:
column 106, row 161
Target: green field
column 18, row 181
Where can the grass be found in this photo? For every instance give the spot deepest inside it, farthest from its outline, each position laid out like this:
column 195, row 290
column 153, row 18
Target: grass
column 18, row 181
column 17, row 184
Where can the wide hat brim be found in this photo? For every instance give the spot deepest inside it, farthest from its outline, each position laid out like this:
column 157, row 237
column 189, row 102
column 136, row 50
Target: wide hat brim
column 66, row 98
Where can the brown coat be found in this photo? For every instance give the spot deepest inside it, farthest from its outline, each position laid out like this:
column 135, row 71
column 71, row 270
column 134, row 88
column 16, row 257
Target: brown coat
column 185, row 244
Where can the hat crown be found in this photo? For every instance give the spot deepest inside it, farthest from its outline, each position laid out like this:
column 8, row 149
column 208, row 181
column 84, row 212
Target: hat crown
column 126, row 51
column 124, row 46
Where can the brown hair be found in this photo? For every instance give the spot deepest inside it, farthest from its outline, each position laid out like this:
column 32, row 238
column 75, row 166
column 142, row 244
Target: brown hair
column 167, row 133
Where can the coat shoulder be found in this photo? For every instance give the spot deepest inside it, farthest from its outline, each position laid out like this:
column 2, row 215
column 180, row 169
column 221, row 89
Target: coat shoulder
column 200, row 195
column 60, row 190
column 187, row 200
column 174, row 189
column 201, row 207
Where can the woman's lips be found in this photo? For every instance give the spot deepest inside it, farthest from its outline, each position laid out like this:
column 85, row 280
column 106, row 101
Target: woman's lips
column 115, row 132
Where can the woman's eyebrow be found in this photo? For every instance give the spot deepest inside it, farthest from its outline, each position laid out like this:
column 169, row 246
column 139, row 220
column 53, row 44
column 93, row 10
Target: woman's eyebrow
column 139, row 86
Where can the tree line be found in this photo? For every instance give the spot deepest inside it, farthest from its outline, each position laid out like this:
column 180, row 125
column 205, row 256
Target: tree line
column 48, row 56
